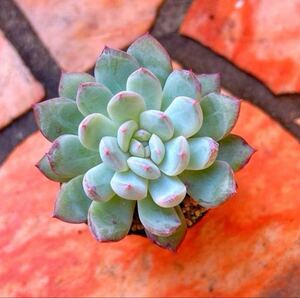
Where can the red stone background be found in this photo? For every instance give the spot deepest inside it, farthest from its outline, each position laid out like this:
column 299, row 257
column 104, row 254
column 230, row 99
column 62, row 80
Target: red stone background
column 248, row 247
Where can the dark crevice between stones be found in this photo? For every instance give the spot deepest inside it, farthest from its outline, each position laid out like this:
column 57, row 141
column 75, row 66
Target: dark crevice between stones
column 193, row 55
column 37, row 58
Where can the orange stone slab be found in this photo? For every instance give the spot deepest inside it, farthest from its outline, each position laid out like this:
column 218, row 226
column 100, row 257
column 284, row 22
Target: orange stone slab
column 19, row 89
column 75, row 32
column 261, row 37
column 248, row 247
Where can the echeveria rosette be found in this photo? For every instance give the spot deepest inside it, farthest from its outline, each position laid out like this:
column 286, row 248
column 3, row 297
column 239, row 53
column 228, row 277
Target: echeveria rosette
column 139, row 135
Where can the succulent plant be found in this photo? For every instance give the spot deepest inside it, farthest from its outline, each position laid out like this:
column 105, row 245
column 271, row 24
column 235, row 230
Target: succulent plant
column 139, row 136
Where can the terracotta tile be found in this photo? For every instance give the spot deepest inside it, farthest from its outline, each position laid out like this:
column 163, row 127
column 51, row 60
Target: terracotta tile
column 249, row 246
column 76, row 31
column 260, row 37
column 19, row 89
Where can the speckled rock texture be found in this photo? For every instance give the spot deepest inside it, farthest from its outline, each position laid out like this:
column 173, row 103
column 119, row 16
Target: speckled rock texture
column 19, row 89
column 72, row 32
column 261, row 37
column 248, row 247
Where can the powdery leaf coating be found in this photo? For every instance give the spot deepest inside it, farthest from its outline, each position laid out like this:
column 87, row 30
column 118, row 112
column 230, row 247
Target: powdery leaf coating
column 180, row 83
column 157, row 220
column 70, row 81
column 157, row 59
column 112, row 155
column 203, row 153
column 158, row 123
column 93, row 98
column 143, row 167
column 72, row 204
column 96, row 183
column 56, row 117
column 110, row 221
column 186, row 116
column 220, row 113
column 125, row 133
column 129, row 186
column 167, row 191
column 209, row 83
column 136, row 148
column 145, row 83
column 211, row 186
column 93, row 128
column 126, row 105
column 177, row 156
column 157, row 149
column 113, row 67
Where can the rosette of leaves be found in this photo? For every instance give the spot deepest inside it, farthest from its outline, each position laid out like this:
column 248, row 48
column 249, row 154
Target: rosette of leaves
column 139, row 135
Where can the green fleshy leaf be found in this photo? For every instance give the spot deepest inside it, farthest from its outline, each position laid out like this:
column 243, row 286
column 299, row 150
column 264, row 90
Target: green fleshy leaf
column 180, row 83
column 145, row 83
column 44, row 166
column 93, row 98
column 173, row 241
column 113, row 67
column 186, row 116
column 212, row 186
column 110, row 221
column 203, row 153
column 70, row 81
column 167, row 191
column 220, row 113
column 68, row 158
column 157, row 149
column 136, row 148
column 235, row 151
column 93, row 128
column 143, row 167
column 72, row 204
column 209, row 83
column 96, row 183
column 152, row 55
column 147, row 151
column 56, row 117
column 159, row 221
column 126, row 106
column 125, row 133
column 176, row 158
column 112, row 155
column 142, row 135
column 129, row 186
column 157, row 122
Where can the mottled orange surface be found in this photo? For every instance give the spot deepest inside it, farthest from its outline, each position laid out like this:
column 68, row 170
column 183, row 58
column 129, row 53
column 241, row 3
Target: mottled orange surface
column 260, row 36
column 75, row 32
column 249, row 246
column 19, row 89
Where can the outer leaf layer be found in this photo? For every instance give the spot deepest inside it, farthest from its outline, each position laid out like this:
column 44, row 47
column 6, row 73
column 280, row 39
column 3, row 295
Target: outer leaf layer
column 72, row 204
column 113, row 67
column 209, row 83
column 180, row 83
column 70, row 81
column 152, row 55
column 110, row 221
column 145, row 83
column 68, row 158
column 220, row 113
column 56, row 117
column 159, row 221
column 235, row 151
column 93, row 98
column 173, row 241
column 96, row 183
column 212, row 186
